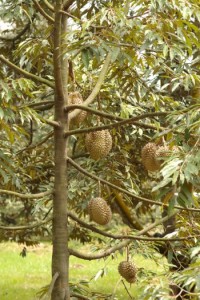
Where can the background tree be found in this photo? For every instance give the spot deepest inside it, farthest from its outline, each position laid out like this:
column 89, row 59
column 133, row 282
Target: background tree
column 136, row 65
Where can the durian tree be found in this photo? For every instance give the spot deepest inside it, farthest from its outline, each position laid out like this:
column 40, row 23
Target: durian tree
column 100, row 116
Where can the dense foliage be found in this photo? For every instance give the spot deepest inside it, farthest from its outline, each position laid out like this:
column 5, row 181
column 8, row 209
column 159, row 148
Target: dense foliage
column 153, row 77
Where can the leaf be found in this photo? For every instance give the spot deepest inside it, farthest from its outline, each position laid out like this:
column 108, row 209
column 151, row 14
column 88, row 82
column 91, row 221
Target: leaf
column 1, row 113
column 165, row 50
column 85, row 58
column 171, row 206
column 99, row 274
column 115, row 53
column 171, row 167
column 161, row 184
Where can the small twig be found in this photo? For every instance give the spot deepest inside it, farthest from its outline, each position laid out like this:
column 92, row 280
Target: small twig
column 79, row 296
column 16, row 228
column 43, row 13
column 127, row 290
column 25, row 73
column 26, row 196
column 115, row 288
column 70, row 15
column 127, row 253
column 36, row 145
column 55, row 277
column 99, row 189
column 48, row 5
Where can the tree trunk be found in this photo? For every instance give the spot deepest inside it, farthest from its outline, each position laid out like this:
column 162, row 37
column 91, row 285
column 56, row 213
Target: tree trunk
column 60, row 256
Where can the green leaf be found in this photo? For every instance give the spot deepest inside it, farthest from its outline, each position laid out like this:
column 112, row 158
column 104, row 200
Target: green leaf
column 85, row 58
column 115, row 53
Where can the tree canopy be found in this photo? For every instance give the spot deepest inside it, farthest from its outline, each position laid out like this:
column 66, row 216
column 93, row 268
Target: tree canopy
column 136, row 66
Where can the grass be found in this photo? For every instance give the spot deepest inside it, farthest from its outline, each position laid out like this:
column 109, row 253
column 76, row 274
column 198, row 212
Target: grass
column 22, row 278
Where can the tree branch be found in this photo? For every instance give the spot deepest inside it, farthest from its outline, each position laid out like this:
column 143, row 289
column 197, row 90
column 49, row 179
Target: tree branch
column 97, row 87
column 118, row 124
column 79, row 296
column 132, row 237
column 105, row 253
column 145, row 200
column 52, row 123
column 70, row 15
column 38, row 144
column 48, row 5
column 57, row 57
column 25, row 73
column 67, row 4
column 26, row 196
column 43, row 13
column 13, row 228
column 94, row 111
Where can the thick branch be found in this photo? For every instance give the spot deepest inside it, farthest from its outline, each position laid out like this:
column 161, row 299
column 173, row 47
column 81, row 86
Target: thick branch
column 43, row 13
column 25, row 227
column 25, row 73
column 104, row 253
column 118, row 124
column 26, row 196
column 131, row 237
column 145, row 200
column 97, row 87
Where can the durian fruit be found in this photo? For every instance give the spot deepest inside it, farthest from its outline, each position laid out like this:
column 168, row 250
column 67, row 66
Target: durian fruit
column 99, row 211
column 149, row 160
column 98, row 143
column 162, row 152
column 128, row 271
column 165, row 151
column 76, row 98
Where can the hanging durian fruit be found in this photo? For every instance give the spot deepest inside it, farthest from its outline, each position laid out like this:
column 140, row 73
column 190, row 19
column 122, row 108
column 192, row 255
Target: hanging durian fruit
column 98, row 143
column 149, row 157
column 99, row 211
column 162, row 152
column 153, row 156
column 128, row 271
column 76, row 98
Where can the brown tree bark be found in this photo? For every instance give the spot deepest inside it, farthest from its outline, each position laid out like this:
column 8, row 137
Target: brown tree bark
column 60, row 256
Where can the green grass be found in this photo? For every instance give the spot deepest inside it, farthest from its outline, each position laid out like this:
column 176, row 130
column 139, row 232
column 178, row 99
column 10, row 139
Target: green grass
column 22, row 278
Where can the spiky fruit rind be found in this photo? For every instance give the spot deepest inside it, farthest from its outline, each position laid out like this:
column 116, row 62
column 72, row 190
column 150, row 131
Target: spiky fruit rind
column 162, row 152
column 149, row 157
column 98, row 143
column 99, row 211
column 128, row 271
column 76, row 98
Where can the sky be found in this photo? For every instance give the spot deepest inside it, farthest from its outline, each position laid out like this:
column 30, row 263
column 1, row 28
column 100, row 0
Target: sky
column 4, row 25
